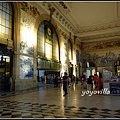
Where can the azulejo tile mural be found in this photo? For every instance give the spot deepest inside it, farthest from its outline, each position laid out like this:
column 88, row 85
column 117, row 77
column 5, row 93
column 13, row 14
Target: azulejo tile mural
column 104, row 60
column 77, row 56
column 26, row 67
column 27, row 33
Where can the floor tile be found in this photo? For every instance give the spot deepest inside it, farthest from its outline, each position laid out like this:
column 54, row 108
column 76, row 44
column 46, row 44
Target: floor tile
column 48, row 102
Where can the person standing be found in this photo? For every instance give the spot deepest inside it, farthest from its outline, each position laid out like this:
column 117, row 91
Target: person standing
column 56, row 81
column 11, row 83
column 100, row 81
column 89, row 83
column 73, row 80
column 65, row 83
column 95, row 78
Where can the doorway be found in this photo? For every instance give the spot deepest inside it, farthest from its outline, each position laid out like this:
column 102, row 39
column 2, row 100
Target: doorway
column 4, row 72
column 90, row 69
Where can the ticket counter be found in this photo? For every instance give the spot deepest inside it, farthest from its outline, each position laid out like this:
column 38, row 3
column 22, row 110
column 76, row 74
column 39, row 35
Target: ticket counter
column 113, row 86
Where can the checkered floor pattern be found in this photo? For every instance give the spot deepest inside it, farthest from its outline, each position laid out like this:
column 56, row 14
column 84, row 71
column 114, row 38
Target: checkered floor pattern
column 15, row 109
column 20, row 109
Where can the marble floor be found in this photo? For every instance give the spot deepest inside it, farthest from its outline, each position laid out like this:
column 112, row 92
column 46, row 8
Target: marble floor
column 49, row 102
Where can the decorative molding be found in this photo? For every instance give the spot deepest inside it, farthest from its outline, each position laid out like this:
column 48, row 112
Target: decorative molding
column 86, row 33
column 58, row 15
column 101, row 45
column 29, row 9
column 100, row 36
column 100, row 27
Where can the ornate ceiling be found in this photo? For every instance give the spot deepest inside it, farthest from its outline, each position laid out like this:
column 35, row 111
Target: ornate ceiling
column 89, row 21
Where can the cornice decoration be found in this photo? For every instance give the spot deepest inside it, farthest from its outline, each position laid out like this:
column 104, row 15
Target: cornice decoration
column 101, row 36
column 59, row 16
column 101, row 45
column 63, row 5
column 29, row 9
column 105, row 26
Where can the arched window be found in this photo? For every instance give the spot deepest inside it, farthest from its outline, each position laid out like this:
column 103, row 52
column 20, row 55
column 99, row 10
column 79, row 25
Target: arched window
column 47, row 41
column 69, row 50
column 5, row 20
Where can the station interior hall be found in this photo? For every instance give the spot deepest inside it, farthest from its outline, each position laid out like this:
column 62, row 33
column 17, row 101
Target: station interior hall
column 42, row 40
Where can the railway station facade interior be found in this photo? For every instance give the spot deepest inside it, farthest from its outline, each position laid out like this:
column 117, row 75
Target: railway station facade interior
column 36, row 40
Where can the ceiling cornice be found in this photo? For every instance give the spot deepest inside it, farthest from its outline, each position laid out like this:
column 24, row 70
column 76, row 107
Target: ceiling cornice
column 95, row 32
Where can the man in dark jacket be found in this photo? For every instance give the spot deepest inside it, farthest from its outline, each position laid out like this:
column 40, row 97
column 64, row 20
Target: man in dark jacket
column 89, row 83
column 65, row 81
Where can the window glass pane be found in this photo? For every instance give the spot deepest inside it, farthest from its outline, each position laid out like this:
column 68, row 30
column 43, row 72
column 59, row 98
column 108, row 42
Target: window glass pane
column 3, row 22
column 3, row 15
column 4, row 4
column 7, row 17
column 4, row 9
column 3, row 29
column 8, row 6
column 7, row 11
column 7, row 31
column 7, row 23
column 6, row 20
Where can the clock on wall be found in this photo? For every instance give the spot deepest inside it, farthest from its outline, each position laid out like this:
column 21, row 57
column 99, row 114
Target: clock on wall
column 48, row 33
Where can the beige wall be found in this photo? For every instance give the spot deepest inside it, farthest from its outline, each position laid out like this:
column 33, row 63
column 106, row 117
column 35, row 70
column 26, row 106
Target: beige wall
column 36, row 18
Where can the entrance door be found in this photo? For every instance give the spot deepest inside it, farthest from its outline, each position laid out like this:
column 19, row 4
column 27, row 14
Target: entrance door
column 4, row 70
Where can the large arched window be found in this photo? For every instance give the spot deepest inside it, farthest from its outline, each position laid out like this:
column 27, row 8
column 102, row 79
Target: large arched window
column 47, row 41
column 69, row 50
column 5, row 20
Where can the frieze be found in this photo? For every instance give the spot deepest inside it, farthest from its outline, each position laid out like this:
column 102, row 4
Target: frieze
column 101, row 45
column 29, row 9
column 104, row 60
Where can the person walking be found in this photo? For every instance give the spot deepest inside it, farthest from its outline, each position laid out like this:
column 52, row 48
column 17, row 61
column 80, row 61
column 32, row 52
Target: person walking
column 65, row 84
column 73, row 80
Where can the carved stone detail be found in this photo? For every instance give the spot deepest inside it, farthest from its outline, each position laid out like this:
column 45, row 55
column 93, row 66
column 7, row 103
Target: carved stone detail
column 59, row 16
column 29, row 9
